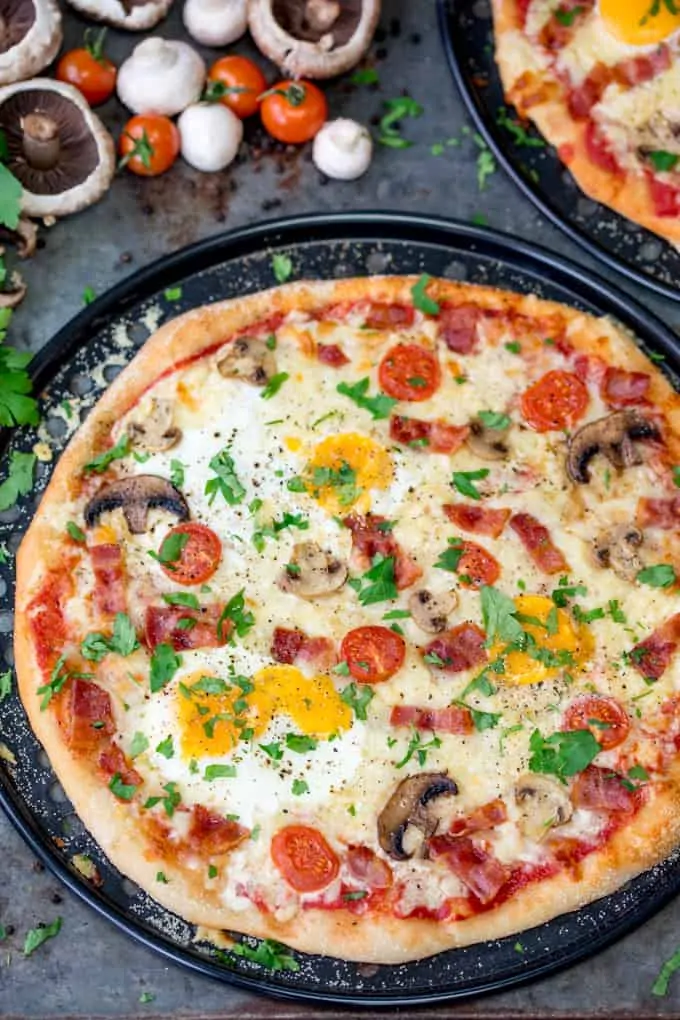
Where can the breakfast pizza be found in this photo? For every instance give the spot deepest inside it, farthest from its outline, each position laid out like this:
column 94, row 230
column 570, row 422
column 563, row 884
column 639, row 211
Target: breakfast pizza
column 601, row 80
column 349, row 617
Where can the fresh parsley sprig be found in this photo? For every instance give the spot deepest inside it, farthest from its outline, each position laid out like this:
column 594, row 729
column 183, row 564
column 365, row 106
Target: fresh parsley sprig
column 378, row 407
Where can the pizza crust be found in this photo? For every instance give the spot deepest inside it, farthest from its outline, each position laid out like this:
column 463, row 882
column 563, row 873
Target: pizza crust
column 113, row 824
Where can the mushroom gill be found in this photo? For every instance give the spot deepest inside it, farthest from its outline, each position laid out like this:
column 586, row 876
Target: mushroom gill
column 30, row 37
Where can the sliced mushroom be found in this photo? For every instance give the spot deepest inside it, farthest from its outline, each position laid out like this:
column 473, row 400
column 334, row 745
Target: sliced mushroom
column 410, row 805
column 489, row 444
column 14, row 293
column 617, row 548
column 250, row 359
column 135, row 496
column 58, row 149
column 154, row 431
column 30, row 37
column 614, row 437
column 313, row 38
column 135, row 15
column 429, row 611
column 543, row 804
column 312, row 572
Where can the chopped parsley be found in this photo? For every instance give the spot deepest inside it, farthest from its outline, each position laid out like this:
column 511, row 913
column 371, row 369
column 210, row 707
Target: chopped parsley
column 419, row 748
column 274, row 385
column 499, row 615
column 397, row 110
column 164, row 664
column 662, row 161
column 365, row 76
column 123, row 641
column 140, row 743
column 170, row 801
column 421, row 299
column 274, row 751
column 5, row 685
column 75, row 532
column 177, row 470
column 299, row 787
column 182, row 598
column 660, row 986
column 282, row 267
column 124, row 791
column 172, row 293
column 36, row 936
column 226, row 482
column 300, row 743
column 494, row 420
column 562, row 754
column 235, row 611
column 378, row 584
column 450, row 558
column 568, row 17
column 59, row 676
column 219, row 772
column 660, row 576
column 268, row 953
column 166, row 747
column 520, row 136
column 171, row 548
column 379, row 406
column 357, row 697
column 88, row 295
column 464, row 481
column 342, row 479
column 100, row 464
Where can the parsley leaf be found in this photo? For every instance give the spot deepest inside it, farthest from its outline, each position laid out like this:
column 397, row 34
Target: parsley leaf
column 274, row 385
column 177, row 473
column 10, row 198
column 123, row 640
column 182, row 598
column 235, row 611
column 16, row 406
column 172, row 293
column 397, row 110
column 226, row 483
column 299, row 787
column 5, row 685
column 274, row 751
column 365, row 76
column 171, row 548
column 166, row 748
column 494, row 420
column 499, row 615
column 563, row 753
column 660, row 576
column 419, row 748
column 300, row 743
column 75, row 532
column 282, row 267
column 463, row 482
column 36, row 936
column 100, row 464
column 421, row 300
column 219, row 772
column 267, row 953
column 382, row 586
column 660, row 986
column 164, row 664
column 124, row 791
column 358, row 698
column 379, row 406
column 139, row 744
column 450, row 558
column 58, row 677
column 663, row 161
column 568, row 17
column 518, row 132
column 342, row 479
column 19, row 481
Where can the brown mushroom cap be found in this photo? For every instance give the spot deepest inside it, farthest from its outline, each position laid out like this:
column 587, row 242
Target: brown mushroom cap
column 487, row 443
column 58, row 148
column 248, row 358
column 410, row 805
column 614, row 437
column 30, row 37
column 135, row 15
column 617, row 548
column 312, row 572
column 135, row 496
column 313, row 38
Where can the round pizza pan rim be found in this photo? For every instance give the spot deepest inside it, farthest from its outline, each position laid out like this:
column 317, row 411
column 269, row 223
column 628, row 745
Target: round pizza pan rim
column 445, row 10
column 283, row 233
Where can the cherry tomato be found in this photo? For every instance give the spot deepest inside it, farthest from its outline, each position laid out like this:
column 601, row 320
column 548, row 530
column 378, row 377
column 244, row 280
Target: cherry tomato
column 409, row 372
column 238, row 83
column 293, row 111
column 604, row 717
column 304, row 858
column 367, row 868
column 373, row 654
column 556, row 401
column 477, row 567
column 199, row 556
column 89, row 70
column 149, row 144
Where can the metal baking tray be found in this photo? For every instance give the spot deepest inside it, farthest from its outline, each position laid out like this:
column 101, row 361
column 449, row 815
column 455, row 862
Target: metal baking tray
column 467, row 30
column 80, row 362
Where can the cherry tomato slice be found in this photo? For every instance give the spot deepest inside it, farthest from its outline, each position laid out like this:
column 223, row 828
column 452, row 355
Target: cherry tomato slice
column 242, row 83
column 304, row 858
column 409, row 372
column 556, row 401
column 477, row 567
column 373, row 654
column 149, row 144
column 93, row 75
column 199, row 556
column 294, row 111
column 606, row 719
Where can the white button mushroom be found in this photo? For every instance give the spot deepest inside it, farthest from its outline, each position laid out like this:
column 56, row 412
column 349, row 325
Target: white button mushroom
column 215, row 22
column 211, row 135
column 162, row 75
column 343, row 149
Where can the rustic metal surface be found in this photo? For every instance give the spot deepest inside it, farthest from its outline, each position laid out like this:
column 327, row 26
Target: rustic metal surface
column 90, row 969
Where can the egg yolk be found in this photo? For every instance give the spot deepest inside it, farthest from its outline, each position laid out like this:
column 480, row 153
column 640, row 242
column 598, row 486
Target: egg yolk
column 312, row 703
column 211, row 723
column 553, row 631
column 342, row 467
column 637, row 22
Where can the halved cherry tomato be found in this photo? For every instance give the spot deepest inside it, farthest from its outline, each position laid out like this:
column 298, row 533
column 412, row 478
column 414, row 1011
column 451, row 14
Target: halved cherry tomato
column 477, row 567
column 409, row 372
column 556, row 401
column 304, row 858
column 606, row 719
column 149, row 144
column 238, row 83
column 373, row 654
column 199, row 556
column 293, row 111
column 89, row 70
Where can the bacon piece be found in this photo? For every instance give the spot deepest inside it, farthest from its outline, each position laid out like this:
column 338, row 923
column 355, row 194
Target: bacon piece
column 109, row 576
column 289, row 645
column 535, row 538
column 368, row 869
column 211, row 834
column 665, row 197
column 459, row 648
column 286, row 644
column 583, row 98
column 487, row 816
column 432, row 436
column 598, row 149
column 112, row 761
column 637, row 70
column 440, row 720
column 567, row 850
column 79, row 706
column 331, row 354
column 163, row 624
column 624, row 389
column 458, row 326
column 557, row 34
column 46, row 617
column 478, row 869
column 652, row 656
column 447, row 438
column 601, row 789
column 368, row 541
column 382, row 315
column 480, row 520
column 319, row 651
column 659, row 513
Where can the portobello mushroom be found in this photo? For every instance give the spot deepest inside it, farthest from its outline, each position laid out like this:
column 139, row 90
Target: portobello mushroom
column 30, row 37
column 487, row 443
column 614, row 437
column 543, row 804
column 250, row 359
column 312, row 572
column 617, row 548
column 429, row 611
column 410, row 805
column 135, row 496
column 134, row 15
column 154, row 431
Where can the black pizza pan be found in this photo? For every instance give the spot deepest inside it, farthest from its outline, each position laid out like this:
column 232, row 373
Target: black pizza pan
column 467, row 30
column 72, row 372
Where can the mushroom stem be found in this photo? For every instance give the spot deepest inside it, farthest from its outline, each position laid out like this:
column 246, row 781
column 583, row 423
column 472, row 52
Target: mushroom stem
column 40, row 141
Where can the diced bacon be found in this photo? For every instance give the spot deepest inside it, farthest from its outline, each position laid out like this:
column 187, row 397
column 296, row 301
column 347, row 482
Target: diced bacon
column 369, row 870
column 643, row 68
column 652, row 656
column 368, row 541
column 458, row 649
column 447, row 438
column 458, row 326
column 165, row 624
column 109, row 576
column 440, row 720
column 80, row 706
column 602, row 789
column 289, row 645
column 46, row 618
column 406, row 570
column 659, row 513
column 210, row 834
column 382, row 315
column 286, row 645
column 583, row 98
column 568, row 850
column 331, row 354
column 432, row 436
column 556, row 33
column 535, row 538
column 598, row 149
column 487, row 816
column 590, row 368
column 478, row 869
column 624, row 389
column 112, row 761
column 480, row 520
column 665, row 197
